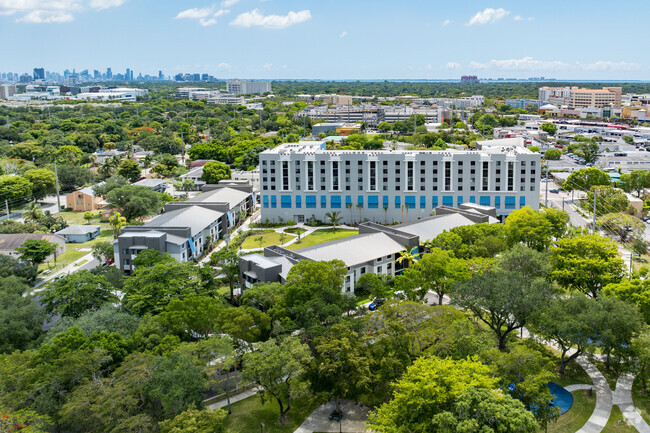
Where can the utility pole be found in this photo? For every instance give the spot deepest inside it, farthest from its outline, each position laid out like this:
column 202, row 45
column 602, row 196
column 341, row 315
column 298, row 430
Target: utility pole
column 593, row 229
column 546, row 201
column 7, row 207
column 56, row 178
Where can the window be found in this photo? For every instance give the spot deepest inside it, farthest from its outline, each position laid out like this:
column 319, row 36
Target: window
column 385, row 202
column 310, row 176
column 398, row 202
column 510, row 202
column 285, row 175
column 484, row 201
column 335, row 176
column 423, row 202
column 373, row 176
column 459, row 200
column 373, row 202
column 274, row 202
column 298, row 202
column 434, row 201
column 323, row 201
column 447, row 200
column 522, row 201
column 379, row 270
column 360, row 200
column 285, row 201
column 447, row 176
column 497, row 202
column 410, row 182
column 335, row 202
column 265, row 201
column 310, row 202
column 409, row 202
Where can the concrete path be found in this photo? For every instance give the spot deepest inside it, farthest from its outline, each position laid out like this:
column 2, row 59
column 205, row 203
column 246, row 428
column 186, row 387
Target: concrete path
column 600, row 416
column 72, row 267
column 623, row 398
column 354, row 419
column 580, row 387
column 234, row 399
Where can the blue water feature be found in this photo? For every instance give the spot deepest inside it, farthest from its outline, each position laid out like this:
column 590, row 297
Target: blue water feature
column 563, row 398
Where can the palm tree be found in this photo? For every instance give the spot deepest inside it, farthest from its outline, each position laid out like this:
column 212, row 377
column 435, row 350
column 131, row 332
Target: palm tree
column 386, row 215
column 360, row 207
column 117, row 221
column 33, row 212
column 334, row 218
column 93, row 159
column 349, row 206
column 402, row 207
column 406, row 255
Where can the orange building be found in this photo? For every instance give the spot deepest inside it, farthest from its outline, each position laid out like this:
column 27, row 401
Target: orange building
column 84, row 200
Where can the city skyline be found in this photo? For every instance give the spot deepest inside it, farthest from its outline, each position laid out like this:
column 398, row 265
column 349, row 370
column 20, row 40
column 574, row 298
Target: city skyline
column 332, row 40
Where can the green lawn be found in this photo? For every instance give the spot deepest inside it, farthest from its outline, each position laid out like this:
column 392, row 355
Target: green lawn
column 641, row 401
column 77, row 218
column 249, row 413
column 270, row 238
column 322, row 235
column 295, row 230
column 575, row 375
column 577, row 416
column 617, row 423
column 72, row 252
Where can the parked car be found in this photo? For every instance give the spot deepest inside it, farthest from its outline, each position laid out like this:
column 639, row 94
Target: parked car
column 554, row 191
column 376, row 304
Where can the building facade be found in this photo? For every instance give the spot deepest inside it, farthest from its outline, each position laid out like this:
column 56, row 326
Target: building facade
column 243, row 87
column 303, row 180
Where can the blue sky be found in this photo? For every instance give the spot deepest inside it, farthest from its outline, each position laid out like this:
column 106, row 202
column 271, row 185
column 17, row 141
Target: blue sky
column 330, row 39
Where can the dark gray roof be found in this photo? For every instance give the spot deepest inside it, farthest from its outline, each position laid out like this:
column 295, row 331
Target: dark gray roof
column 78, row 230
column 353, row 250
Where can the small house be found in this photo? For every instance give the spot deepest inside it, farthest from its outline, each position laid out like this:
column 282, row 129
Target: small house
column 79, row 233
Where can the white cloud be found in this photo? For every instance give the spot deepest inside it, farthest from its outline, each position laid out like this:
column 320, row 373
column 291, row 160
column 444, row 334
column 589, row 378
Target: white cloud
column 343, row 34
column 228, row 3
column 445, row 23
column 43, row 16
column 520, row 18
column 194, row 13
column 256, row 19
column 488, row 15
column 453, row 65
column 523, row 64
column 206, row 16
column 267, row 66
column 52, row 11
column 603, row 65
column 105, row 4
column 223, row 66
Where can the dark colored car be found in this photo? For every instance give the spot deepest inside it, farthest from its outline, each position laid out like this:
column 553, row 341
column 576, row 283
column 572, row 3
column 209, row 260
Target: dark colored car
column 376, row 304
column 554, row 191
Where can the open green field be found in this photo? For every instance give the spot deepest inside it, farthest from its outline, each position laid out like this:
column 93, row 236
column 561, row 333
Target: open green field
column 577, row 416
column 270, row 238
column 77, row 218
column 641, row 400
column 617, row 423
column 249, row 413
column 321, row 236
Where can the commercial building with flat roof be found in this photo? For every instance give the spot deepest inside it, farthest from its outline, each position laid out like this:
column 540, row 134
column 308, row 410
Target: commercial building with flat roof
column 303, row 180
column 243, row 87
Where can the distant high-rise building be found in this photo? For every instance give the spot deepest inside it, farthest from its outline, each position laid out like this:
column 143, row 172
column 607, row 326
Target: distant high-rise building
column 109, row 73
column 25, row 78
column 242, row 87
column 196, row 77
column 39, row 74
column 127, row 76
column 97, row 75
column 160, row 75
column 469, row 79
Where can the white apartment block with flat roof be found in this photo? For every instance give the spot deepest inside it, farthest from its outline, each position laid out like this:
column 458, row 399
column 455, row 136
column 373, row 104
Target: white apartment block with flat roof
column 243, row 87
column 304, row 180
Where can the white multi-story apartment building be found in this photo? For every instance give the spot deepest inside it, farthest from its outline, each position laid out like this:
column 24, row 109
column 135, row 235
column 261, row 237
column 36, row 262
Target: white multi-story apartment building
column 575, row 97
column 304, row 180
column 243, row 87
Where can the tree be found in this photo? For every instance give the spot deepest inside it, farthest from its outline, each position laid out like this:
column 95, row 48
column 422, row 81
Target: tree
column 635, row 291
column 373, row 285
column 429, row 387
column 572, row 323
column 621, row 225
column 276, row 367
column 439, row 270
column 135, row 201
column 11, row 267
column 20, row 316
column 117, row 221
column 485, row 411
column 150, row 289
column 503, row 300
column 24, row 421
column 196, row 421
column 334, row 218
column 586, row 263
column 151, row 257
column 214, row 171
column 529, row 227
column 36, row 251
column 637, row 181
column 620, row 323
column 89, row 216
column 228, row 263
column 559, row 221
column 641, row 350
column 384, row 126
column 101, row 189
column 69, row 154
column 43, row 182
column 552, row 155
column 15, row 188
column 244, row 324
column 549, row 128
column 77, row 293
column 33, row 213
column 608, row 200
column 586, row 178
column 340, row 366
column 192, row 316
column 628, row 139
column 129, row 169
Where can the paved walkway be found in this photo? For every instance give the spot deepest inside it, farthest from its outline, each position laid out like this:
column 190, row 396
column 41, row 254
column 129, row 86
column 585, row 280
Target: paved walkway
column 600, row 416
column 354, row 419
column 622, row 397
column 72, row 267
column 234, row 399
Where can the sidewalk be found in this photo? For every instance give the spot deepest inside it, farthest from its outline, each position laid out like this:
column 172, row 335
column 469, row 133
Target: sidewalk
column 72, row 267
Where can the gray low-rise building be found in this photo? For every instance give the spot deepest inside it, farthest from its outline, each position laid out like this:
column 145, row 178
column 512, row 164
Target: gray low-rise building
column 374, row 250
column 79, row 233
column 157, row 185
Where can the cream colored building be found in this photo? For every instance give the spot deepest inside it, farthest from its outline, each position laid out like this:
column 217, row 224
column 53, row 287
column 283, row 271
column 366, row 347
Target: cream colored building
column 607, row 96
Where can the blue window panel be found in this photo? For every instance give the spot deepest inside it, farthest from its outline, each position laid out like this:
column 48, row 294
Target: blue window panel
column 423, row 202
column 459, row 200
column 472, row 199
column 348, row 200
column 385, row 200
column 336, row 202
column 274, row 201
column 360, row 200
column 434, row 202
column 522, row 201
column 373, row 202
column 398, row 202
column 497, row 202
column 285, row 201
column 484, row 201
column 409, row 202
column 310, row 202
column 510, row 202
column 323, row 202
column 447, row 200
column 265, row 201
column 298, row 202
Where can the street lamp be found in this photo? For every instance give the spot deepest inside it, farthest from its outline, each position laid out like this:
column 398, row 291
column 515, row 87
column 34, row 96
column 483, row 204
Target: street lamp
column 261, row 427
